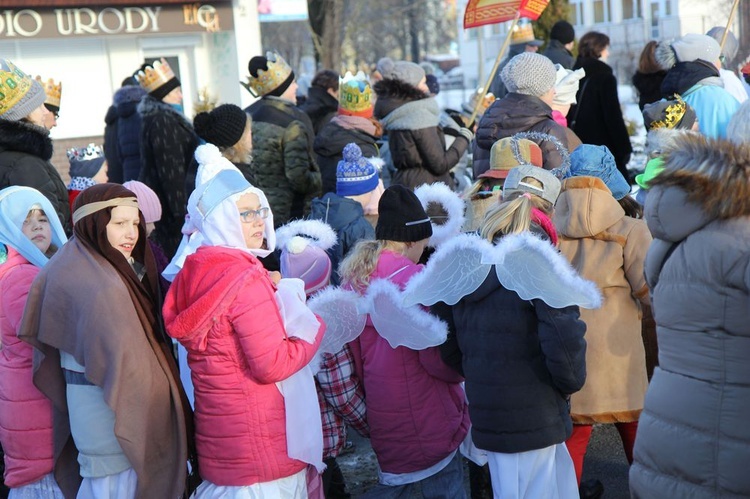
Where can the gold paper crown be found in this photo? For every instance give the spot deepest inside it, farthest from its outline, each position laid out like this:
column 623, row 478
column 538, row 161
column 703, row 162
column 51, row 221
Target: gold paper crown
column 355, row 93
column 52, row 91
column 522, row 33
column 268, row 81
column 155, row 76
column 14, row 84
column 672, row 115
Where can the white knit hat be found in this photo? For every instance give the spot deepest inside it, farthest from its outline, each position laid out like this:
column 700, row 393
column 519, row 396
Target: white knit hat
column 566, row 85
column 692, row 47
column 529, row 73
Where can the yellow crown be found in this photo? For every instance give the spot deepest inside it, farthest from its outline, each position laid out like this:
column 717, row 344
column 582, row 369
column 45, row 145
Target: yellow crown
column 355, row 93
column 268, row 81
column 155, row 76
column 672, row 115
column 522, row 33
column 14, row 84
column 52, row 91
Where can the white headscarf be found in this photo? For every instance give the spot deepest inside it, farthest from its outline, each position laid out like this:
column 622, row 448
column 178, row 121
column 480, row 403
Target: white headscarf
column 213, row 218
column 15, row 204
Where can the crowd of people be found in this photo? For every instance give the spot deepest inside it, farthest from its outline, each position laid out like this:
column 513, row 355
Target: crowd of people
column 178, row 320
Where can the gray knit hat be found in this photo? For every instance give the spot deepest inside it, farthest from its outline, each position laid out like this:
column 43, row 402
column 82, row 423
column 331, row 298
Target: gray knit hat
column 529, row 73
column 692, row 47
column 404, row 71
column 26, row 94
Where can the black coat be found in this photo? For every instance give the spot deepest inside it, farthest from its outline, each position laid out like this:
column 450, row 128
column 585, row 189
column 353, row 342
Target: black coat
column 415, row 139
column 521, row 360
column 598, row 116
column 648, row 86
column 167, row 146
column 329, row 146
column 320, row 106
column 558, row 54
column 25, row 151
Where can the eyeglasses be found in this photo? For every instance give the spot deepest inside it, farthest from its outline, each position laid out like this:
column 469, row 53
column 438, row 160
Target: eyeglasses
column 250, row 216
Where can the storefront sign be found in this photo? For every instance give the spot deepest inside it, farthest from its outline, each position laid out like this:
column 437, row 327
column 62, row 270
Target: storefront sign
column 104, row 21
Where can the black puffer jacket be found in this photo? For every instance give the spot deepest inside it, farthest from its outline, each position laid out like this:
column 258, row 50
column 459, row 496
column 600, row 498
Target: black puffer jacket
column 167, row 146
column 320, row 106
column 25, row 151
column 598, row 116
column 416, row 142
column 329, row 146
column 517, row 113
column 521, row 360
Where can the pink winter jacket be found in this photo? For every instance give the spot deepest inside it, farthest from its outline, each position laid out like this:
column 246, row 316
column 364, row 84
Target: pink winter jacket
column 222, row 308
column 25, row 414
column 416, row 407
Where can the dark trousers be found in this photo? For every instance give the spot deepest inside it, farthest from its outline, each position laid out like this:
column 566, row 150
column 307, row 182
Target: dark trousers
column 334, row 485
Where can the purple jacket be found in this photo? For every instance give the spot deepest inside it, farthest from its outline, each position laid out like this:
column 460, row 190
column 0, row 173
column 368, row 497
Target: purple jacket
column 416, row 407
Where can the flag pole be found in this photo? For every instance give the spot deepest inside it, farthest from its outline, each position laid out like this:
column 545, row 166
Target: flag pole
column 729, row 23
column 499, row 58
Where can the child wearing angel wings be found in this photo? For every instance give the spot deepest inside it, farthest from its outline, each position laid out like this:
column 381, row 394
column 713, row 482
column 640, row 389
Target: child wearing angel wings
column 416, row 408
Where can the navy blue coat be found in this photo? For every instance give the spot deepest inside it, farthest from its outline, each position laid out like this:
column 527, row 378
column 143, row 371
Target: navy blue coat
column 122, row 135
column 521, row 360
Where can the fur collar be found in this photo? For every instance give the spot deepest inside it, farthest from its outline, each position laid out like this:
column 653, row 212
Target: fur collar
column 415, row 115
column 150, row 107
column 131, row 93
column 392, row 94
column 22, row 136
column 715, row 174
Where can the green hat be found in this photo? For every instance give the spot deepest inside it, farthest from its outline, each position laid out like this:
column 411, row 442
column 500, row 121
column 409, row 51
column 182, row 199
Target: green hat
column 653, row 168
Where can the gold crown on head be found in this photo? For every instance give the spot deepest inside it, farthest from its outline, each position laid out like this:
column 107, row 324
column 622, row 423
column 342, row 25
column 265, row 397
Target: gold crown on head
column 52, row 91
column 522, row 33
column 155, row 76
column 268, row 81
column 355, row 93
column 14, row 84
column 672, row 115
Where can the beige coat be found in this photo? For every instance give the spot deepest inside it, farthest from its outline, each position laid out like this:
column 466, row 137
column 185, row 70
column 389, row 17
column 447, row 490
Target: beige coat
column 608, row 248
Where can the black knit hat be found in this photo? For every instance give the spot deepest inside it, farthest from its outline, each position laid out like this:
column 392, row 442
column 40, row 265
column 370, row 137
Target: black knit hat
column 563, row 32
column 222, row 127
column 401, row 216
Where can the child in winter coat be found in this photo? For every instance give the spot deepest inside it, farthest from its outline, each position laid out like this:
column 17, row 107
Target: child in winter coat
column 340, row 393
column 416, row 408
column 30, row 237
column 506, row 153
column 606, row 245
column 222, row 307
column 357, row 183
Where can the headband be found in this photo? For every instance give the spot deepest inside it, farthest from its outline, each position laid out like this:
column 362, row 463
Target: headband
column 91, row 208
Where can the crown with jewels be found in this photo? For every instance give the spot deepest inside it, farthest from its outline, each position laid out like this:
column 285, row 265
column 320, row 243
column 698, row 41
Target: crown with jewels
column 155, row 76
column 91, row 151
column 52, row 91
column 14, row 84
column 355, row 93
column 267, row 81
column 673, row 114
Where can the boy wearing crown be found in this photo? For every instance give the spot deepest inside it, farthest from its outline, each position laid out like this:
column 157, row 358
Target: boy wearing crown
column 283, row 159
column 87, row 167
column 167, row 146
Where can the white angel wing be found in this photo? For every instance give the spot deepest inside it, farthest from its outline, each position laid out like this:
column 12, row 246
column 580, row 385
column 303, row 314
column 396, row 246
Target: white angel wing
column 338, row 308
column 453, row 271
column 399, row 325
column 454, row 207
column 535, row 270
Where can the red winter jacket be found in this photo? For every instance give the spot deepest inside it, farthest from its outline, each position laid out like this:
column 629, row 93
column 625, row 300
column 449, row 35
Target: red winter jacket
column 222, row 308
column 25, row 414
column 416, row 407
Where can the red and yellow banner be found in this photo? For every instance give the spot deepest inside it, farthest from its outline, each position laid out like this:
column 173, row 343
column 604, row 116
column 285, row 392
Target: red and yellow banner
column 482, row 12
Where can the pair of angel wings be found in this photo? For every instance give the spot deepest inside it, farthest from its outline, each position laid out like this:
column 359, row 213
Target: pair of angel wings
column 345, row 313
column 523, row 263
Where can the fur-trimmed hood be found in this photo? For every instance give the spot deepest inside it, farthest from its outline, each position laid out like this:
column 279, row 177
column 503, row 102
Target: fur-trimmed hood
column 393, row 94
column 21, row 136
column 131, row 93
column 150, row 106
column 703, row 180
column 415, row 115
